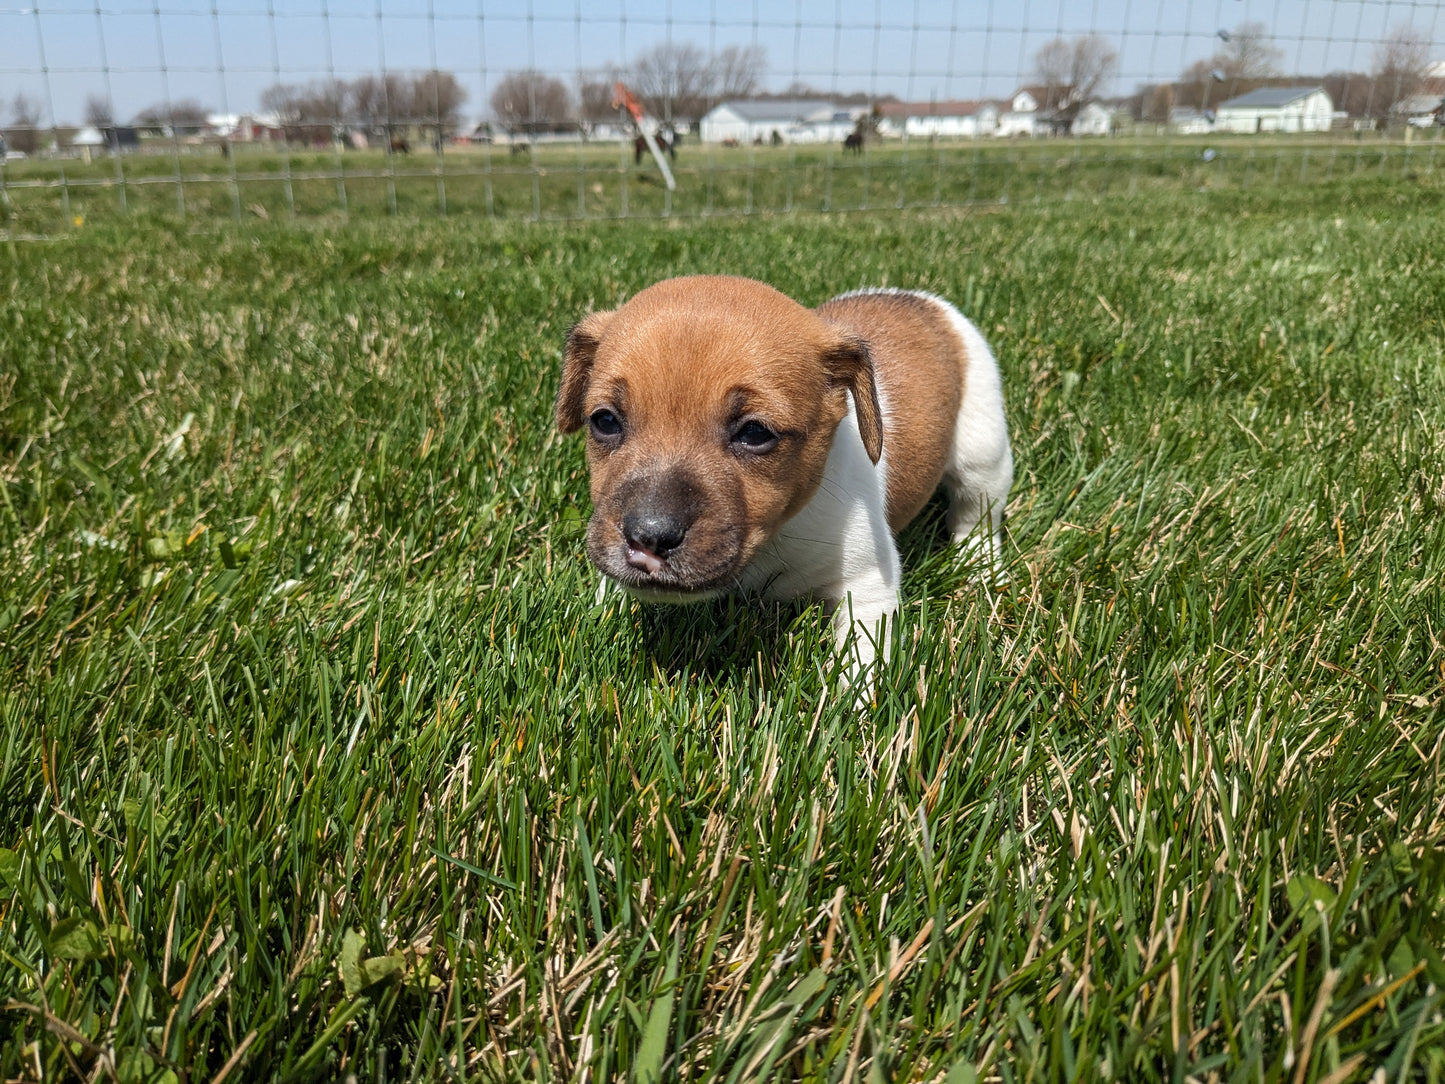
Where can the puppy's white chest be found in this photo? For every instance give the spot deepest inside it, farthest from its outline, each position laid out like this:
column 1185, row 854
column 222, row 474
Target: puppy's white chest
column 838, row 538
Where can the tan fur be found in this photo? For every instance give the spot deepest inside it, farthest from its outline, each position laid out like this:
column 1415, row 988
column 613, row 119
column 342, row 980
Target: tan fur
column 919, row 365
column 683, row 361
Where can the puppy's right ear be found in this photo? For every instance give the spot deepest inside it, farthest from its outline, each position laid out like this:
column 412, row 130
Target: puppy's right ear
column 577, row 358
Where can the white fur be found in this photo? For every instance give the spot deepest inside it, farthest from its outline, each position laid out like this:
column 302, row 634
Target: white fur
column 840, row 548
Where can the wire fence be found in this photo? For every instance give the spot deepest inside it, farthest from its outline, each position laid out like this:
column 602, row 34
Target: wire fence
column 332, row 109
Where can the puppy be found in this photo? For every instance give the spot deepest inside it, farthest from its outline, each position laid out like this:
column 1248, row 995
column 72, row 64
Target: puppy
column 738, row 441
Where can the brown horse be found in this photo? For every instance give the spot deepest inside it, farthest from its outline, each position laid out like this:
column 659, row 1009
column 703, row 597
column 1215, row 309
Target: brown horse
column 639, row 148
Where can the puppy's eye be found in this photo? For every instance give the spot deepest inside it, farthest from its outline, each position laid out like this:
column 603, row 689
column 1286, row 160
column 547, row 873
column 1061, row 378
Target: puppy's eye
column 754, row 436
column 605, row 424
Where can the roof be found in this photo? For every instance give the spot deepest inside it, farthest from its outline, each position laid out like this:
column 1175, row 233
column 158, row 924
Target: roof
column 782, row 109
column 1417, row 104
column 1046, row 96
column 1270, row 97
column 933, row 109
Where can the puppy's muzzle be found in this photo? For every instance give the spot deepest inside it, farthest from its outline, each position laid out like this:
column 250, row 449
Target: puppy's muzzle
column 657, row 511
column 661, row 531
column 652, row 533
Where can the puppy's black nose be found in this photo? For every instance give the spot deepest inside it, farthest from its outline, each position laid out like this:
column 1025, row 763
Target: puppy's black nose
column 657, row 531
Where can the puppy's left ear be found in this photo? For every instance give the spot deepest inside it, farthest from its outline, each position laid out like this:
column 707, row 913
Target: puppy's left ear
column 851, row 365
column 577, row 357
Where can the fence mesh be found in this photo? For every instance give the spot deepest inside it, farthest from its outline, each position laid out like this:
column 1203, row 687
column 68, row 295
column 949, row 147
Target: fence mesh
column 329, row 108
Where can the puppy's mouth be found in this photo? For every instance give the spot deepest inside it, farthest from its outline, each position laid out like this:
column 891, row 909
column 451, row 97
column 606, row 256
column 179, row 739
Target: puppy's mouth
column 701, row 567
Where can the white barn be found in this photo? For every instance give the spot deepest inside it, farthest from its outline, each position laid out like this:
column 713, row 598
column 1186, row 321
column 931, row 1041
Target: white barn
column 1277, row 109
column 795, row 120
column 943, row 120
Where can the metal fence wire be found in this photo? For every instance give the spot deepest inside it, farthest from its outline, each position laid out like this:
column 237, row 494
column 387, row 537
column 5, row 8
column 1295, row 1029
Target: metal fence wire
column 301, row 109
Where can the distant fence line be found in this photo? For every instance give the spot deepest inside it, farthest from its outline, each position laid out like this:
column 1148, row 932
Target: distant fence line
column 271, row 110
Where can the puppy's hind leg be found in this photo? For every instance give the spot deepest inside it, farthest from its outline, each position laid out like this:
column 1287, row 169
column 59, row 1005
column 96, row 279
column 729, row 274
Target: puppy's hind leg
column 980, row 469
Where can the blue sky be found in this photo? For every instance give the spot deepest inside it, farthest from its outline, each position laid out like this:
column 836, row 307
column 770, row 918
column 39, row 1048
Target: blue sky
column 224, row 53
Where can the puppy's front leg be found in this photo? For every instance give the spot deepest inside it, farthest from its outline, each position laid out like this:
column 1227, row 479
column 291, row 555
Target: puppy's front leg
column 866, row 612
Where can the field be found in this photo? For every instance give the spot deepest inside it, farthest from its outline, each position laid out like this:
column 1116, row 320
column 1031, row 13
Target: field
column 318, row 760
column 591, row 181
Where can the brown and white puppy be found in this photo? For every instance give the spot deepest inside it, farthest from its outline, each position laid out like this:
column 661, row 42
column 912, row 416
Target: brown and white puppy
column 738, row 441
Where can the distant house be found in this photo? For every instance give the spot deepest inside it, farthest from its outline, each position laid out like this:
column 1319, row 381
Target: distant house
column 784, row 120
column 1035, row 110
column 1277, row 109
column 245, row 127
column 1092, row 119
column 1185, row 120
column 1418, row 111
column 86, row 140
column 946, row 120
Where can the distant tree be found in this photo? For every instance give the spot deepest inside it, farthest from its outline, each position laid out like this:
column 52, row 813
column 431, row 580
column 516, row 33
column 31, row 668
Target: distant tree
column 313, row 113
column 24, row 132
column 183, row 118
column 594, row 99
column 737, row 72
column 381, row 105
column 98, row 113
column 1158, row 103
column 1075, row 72
column 1352, row 92
column 1247, row 53
column 674, row 80
column 529, row 101
column 1401, row 61
column 437, row 99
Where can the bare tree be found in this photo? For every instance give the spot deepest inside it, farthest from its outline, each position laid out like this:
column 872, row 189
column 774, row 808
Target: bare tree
column 528, row 101
column 310, row 113
column 1158, row 104
column 24, row 131
column 737, row 72
column 1051, row 64
column 1400, row 63
column 437, row 100
column 1352, row 92
column 381, row 105
column 1247, row 53
column 98, row 112
column 674, row 80
column 182, row 118
column 594, row 97
column 1075, row 72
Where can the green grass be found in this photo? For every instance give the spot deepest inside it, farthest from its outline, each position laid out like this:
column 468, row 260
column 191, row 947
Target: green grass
column 600, row 181
column 318, row 760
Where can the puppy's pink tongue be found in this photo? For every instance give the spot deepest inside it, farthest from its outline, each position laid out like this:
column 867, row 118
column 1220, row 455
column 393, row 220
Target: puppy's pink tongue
column 640, row 558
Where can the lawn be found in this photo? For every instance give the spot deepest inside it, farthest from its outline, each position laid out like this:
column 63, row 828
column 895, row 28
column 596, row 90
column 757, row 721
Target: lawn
column 318, row 759
column 600, row 181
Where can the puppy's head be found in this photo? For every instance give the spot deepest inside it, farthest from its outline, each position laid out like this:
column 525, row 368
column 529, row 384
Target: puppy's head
column 710, row 405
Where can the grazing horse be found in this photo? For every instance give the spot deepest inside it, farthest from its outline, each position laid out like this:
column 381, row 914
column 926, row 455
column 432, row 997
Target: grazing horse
column 639, row 148
column 399, row 145
column 854, row 142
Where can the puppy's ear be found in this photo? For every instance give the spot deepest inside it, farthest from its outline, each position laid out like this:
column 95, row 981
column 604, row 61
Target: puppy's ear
column 851, row 365
column 577, row 358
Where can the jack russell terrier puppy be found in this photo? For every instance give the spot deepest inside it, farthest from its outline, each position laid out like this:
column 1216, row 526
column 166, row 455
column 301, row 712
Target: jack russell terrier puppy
column 738, row 441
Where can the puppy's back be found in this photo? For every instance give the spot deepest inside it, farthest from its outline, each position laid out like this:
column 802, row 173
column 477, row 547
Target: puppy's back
column 919, row 365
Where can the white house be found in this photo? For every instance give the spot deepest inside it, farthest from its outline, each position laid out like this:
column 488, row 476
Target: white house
column 1186, row 120
column 1092, row 119
column 1277, row 109
column 1418, row 110
column 1033, row 110
column 794, row 120
column 942, row 120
